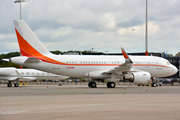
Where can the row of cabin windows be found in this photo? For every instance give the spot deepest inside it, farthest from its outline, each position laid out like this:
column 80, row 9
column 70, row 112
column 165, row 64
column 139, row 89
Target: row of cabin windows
column 89, row 62
column 27, row 73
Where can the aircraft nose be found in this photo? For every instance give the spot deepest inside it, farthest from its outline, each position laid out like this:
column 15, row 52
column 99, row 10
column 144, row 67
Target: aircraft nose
column 174, row 69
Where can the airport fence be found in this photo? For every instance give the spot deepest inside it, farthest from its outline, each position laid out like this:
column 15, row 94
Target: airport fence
column 98, row 83
column 74, row 83
column 85, row 83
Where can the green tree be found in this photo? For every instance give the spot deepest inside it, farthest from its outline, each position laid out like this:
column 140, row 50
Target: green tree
column 163, row 54
column 177, row 54
column 8, row 55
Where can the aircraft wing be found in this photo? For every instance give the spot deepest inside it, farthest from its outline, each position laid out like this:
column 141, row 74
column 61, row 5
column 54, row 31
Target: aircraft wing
column 123, row 68
column 20, row 78
column 32, row 60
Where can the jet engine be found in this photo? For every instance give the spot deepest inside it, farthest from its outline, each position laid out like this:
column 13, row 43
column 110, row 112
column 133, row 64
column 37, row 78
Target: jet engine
column 7, row 71
column 138, row 77
column 18, row 60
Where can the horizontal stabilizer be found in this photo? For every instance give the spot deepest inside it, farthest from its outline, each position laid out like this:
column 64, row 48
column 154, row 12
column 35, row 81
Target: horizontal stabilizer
column 6, row 59
column 32, row 60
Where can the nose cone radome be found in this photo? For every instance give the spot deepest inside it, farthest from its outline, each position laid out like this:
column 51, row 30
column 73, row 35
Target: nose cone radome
column 174, row 70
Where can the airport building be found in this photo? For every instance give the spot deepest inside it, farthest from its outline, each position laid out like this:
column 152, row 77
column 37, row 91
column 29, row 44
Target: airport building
column 175, row 61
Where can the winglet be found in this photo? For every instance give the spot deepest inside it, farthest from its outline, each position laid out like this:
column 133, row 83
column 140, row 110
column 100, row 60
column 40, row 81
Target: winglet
column 126, row 56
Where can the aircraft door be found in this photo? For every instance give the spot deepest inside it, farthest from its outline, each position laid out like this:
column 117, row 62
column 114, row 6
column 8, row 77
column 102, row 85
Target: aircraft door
column 158, row 67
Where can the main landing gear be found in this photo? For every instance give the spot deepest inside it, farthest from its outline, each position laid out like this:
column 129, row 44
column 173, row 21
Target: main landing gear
column 16, row 85
column 111, row 85
column 9, row 84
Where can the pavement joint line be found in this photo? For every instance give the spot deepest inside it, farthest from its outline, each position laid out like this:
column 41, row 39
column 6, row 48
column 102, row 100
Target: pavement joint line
column 66, row 106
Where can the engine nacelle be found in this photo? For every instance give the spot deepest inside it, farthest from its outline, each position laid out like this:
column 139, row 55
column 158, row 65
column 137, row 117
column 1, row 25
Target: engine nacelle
column 138, row 77
column 18, row 60
column 7, row 71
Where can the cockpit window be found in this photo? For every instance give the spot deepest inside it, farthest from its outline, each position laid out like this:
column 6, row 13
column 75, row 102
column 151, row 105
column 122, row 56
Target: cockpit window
column 168, row 63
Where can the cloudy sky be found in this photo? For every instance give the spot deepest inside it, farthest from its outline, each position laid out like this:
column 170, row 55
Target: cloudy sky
column 105, row 25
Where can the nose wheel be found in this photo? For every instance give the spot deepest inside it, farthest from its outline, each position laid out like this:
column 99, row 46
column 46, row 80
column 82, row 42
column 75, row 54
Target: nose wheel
column 92, row 84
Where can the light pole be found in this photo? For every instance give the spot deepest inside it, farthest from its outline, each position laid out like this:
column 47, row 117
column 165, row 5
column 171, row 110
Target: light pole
column 146, row 28
column 19, row 1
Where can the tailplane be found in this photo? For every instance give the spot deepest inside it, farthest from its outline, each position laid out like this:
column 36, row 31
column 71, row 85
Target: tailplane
column 29, row 44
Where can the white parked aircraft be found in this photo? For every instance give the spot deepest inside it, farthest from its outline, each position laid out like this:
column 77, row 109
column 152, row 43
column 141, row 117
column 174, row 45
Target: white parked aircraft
column 138, row 69
column 12, row 74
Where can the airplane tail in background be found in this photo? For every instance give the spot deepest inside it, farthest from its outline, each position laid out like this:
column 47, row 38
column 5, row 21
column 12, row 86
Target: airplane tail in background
column 29, row 44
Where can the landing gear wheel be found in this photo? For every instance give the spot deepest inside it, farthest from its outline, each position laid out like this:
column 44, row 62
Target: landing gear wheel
column 111, row 85
column 92, row 84
column 108, row 84
column 153, row 84
column 9, row 85
column 16, row 85
column 60, row 84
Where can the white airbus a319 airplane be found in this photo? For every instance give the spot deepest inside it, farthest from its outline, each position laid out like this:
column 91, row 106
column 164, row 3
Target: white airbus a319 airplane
column 138, row 69
column 12, row 74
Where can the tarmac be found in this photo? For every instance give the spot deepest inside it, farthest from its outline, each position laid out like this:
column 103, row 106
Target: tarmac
column 78, row 102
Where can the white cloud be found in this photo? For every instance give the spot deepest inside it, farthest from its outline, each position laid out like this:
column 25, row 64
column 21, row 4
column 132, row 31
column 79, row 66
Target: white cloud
column 100, row 24
column 55, row 33
column 153, row 28
column 7, row 37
